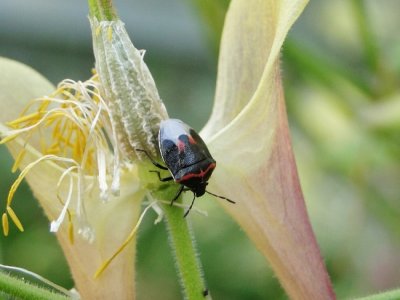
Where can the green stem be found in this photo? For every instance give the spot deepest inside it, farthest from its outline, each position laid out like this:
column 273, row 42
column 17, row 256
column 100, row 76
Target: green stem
column 20, row 289
column 186, row 257
column 103, row 10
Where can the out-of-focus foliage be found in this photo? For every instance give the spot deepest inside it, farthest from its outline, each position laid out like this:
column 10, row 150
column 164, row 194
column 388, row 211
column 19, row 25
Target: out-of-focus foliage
column 342, row 83
column 341, row 69
column 213, row 13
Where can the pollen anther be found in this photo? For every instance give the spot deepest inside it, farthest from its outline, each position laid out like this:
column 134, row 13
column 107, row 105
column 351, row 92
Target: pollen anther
column 14, row 218
column 4, row 221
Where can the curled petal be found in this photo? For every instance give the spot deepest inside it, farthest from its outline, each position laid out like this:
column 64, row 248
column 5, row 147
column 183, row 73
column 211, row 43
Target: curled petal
column 251, row 41
column 249, row 137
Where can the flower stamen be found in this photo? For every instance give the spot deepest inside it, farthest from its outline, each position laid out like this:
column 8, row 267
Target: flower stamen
column 54, row 225
column 74, row 127
column 130, row 237
column 18, row 160
column 14, row 218
column 4, row 221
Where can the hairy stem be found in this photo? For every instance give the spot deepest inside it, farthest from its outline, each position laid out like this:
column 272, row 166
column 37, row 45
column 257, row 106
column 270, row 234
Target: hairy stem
column 186, row 257
column 21, row 289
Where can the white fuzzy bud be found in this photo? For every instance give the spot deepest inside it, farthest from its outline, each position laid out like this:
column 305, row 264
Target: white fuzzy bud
column 128, row 88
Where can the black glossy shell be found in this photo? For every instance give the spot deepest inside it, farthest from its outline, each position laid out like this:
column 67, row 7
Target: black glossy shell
column 185, row 155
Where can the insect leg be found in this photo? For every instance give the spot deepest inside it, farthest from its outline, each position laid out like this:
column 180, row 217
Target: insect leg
column 205, row 292
column 177, row 194
column 190, row 207
column 152, row 160
column 169, row 178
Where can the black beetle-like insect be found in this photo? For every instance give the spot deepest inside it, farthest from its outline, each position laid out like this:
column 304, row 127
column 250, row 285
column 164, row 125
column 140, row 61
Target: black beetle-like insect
column 187, row 158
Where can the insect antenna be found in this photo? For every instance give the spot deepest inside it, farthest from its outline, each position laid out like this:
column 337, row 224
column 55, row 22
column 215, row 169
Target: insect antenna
column 190, row 207
column 221, row 197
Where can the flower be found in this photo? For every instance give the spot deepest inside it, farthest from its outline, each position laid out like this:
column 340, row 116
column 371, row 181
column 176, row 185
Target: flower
column 249, row 137
column 89, row 134
column 69, row 166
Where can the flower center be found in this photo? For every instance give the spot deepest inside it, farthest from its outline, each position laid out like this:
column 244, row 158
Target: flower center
column 72, row 128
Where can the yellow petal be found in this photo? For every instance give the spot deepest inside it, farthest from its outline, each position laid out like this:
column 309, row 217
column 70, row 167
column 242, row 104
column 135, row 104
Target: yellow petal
column 19, row 84
column 111, row 221
column 262, row 178
column 253, row 34
column 249, row 138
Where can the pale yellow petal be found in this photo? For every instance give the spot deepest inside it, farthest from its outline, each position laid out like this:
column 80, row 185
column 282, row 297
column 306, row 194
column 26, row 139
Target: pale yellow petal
column 111, row 221
column 253, row 34
column 19, row 84
column 261, row 176
column 249, row 137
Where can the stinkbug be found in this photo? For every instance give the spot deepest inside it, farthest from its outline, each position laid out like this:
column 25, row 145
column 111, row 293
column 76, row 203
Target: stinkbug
column 187, row 158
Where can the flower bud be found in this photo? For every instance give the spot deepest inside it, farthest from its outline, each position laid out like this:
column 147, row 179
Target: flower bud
column 128, row 88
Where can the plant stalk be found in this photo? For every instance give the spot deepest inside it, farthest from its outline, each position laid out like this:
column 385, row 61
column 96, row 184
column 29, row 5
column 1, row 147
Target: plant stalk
column 20, row 289
column 102, row 10
column 186, row 257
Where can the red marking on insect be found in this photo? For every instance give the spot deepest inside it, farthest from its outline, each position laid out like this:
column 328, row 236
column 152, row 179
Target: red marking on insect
column 186, row 157
column 200, row 175
column 191, row 140
column 181, row 145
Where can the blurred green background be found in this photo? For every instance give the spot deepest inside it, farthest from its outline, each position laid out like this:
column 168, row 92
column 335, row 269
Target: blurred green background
column 341, row 66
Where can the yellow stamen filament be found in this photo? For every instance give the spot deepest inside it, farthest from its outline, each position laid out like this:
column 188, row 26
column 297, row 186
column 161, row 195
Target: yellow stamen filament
column 70, row 228
column 31, row 117
column 124, row 244
column 18, row 160
column 42, row 107
column 22, row 175
column 8, row 138
column 18, row 181
column 71, row 127
column 57, row 223
column 14, row 218
column 4, row 221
